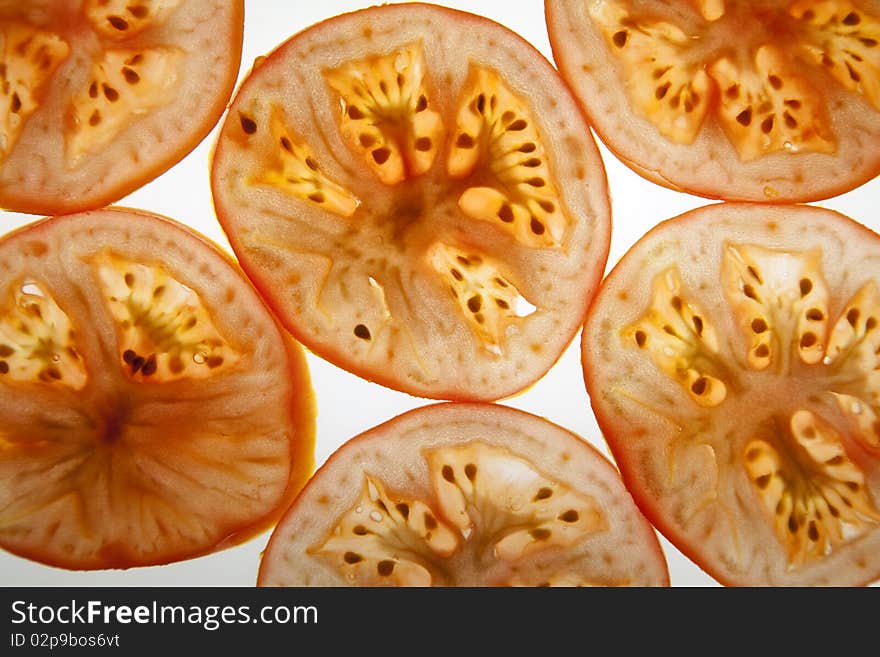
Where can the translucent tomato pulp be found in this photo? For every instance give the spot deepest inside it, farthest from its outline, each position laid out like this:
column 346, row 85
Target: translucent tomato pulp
column 775, row 100
column 421, row 201
column 464, row 495
column 152, row 409
column 731, row 359
column 98, row 97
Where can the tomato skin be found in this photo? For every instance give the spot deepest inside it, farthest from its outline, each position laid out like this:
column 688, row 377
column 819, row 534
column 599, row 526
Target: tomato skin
column 298, row 403
column 471, row 422
column 329, row 345
column 64, row 194
column 709, row 166
column 652, row 411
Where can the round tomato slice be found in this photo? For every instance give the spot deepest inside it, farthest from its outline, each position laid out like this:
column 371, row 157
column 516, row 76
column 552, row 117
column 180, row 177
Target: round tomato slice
column 760, row 101
column 98, row 97
column 464, row 495
column 417, row 195
column 152, row 409
column 732, row 362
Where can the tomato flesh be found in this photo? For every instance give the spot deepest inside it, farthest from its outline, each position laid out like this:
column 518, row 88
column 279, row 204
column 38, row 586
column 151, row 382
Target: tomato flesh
column 731, row 361
column 152, row 408
column 761, row 101
column 421, row 202
column 464, row 495
column 98, row 98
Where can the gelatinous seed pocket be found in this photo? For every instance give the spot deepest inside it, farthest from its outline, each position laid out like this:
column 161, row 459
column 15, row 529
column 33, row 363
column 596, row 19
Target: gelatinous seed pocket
column 489, row 302
column 388, row 541
column 121, row 19
column 816, row 494
column 38, row 340
column 680, row 340
column 515, row 510
column 495, row 125
column 29, row 58
column 486, row 499
column 125, row 84
column 666, row 85
column 845, row 41
column 296, row 172
column 770, row 107
column 780, row 300
column 386, row 113
column 164, row 331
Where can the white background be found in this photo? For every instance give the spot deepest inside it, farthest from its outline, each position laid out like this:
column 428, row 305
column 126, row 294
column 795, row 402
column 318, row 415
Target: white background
column 348, row 405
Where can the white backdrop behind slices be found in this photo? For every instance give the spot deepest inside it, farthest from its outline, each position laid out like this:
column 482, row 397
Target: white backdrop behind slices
column 346, row 404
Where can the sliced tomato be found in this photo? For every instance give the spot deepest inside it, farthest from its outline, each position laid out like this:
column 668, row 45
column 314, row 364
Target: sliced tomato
column 732, row 362
column 152, row 409
column 464, row 495
column 98, row 97
column 777, row 100
column 417, row 195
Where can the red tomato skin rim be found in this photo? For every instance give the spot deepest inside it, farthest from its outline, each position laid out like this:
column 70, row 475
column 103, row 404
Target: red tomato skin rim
column 616, row 438
column 457, row 408
column 72, row 205
column 302, row 409
column 559, row 56
column 336, row 354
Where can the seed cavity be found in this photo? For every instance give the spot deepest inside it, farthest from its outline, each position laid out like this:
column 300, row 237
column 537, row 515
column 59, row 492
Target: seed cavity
column 783, row 307
column 121, row 86
column 30, row 59
column 294, row 170
column 387, row 116
column 476, row 288
column 164, row 336
column 794, row 488
column 497, row 127
column 519, row 508
column 775, row 107
column 37, row 339
column 673, row 332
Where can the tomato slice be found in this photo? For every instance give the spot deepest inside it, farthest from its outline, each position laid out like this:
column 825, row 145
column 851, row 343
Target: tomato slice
column 152, row 409
column 464, row 495
column 415, row 192
column 732, row 362
column 773, row 101
column 98, row 97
